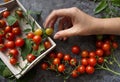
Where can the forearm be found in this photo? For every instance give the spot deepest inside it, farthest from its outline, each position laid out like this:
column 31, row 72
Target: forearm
column 107, row 26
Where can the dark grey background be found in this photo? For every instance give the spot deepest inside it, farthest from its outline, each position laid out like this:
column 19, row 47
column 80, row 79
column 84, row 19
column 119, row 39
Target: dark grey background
column 85, row 42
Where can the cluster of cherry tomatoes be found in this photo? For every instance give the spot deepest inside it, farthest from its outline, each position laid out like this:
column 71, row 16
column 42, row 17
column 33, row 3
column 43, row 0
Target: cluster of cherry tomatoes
column 61, row 63
column 10, row 38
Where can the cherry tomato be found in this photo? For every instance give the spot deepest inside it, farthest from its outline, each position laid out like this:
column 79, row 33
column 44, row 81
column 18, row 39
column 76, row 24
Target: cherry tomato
column 52, row 55
column 106, row 46
column 13, row 61
column 49, row 31
column 14, row 53
column 10, row 36
column 92, row 61
column 47, row 44
column 10, row 44
column 61, row 68
column 2, row 47
column 8, row 29
column 16, row 24
column 99, row 44
column 2, row 23
column 100, row 60
column 37, row 39
column 30, row 57
column 30, row 35
column 81, row 69
column 35, row 47
column 56, row 61
column 115, row 45
column 74, row 73
column 67, row 57
column 19, row 13
column 2, row 33
column 44, row 66
column 84, row 61
column 99, row 52
column 73, row 62
column 6, row 14
column 75, row 50
column 19, row 42
column 1, row 40
column 107, row 53
column 16, row 30
column 60, row 55
column 92, row 54
column 38, row 32
column 52, row 67
column 6, row 0
column 90, row 69
column 84, row 53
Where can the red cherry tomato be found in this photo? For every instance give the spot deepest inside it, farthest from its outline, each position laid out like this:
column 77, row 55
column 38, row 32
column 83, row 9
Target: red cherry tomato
column 13, row 61
column 30, row 35
column 2, row 47
column 115, row 45
column 30, row 57
column 6, row 14
column 75, row 50
column 37, row 39
column 14, row 53
column 81, row 69
column 73, row 62
column 99, row 52
column 90, row 69
column 19, row 13
column 56, row 61
column 92, row 54
column 84, row 61
column 74, row 73
column 10, row 44
column 2, row 23
column 16, row 24
column 92, row 61
column 61, row 68
column 52, row 55
column 8, row 29
column 67, row 57
column 60, row 55
column 2, row 33
column 10, row 36
column 16, row 30
column 52, row 67
column 47, row 44
column 100, row 60
column 44, row 66
column 106, row 46
column 35, row 47
column 99, row 44
column 84, row 53
column 19, row 42
column 1, row 40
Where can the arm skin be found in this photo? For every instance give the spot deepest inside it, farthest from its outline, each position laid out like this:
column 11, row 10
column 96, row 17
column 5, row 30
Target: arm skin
column 73, row 22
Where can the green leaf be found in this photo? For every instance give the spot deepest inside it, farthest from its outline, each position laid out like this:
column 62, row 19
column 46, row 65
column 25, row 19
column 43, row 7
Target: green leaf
column 2, row 66
column 11, row 20
column 40, row 49
column 27, row 30
column 26, row 49
column 33, row 26
column 101, row 6
column 116, row 3
column 7, row 72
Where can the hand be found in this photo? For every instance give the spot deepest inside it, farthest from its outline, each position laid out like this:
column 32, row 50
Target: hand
column 72, row 22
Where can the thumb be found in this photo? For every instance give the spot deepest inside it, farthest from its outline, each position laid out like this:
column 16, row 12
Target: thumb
column 65, row 33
